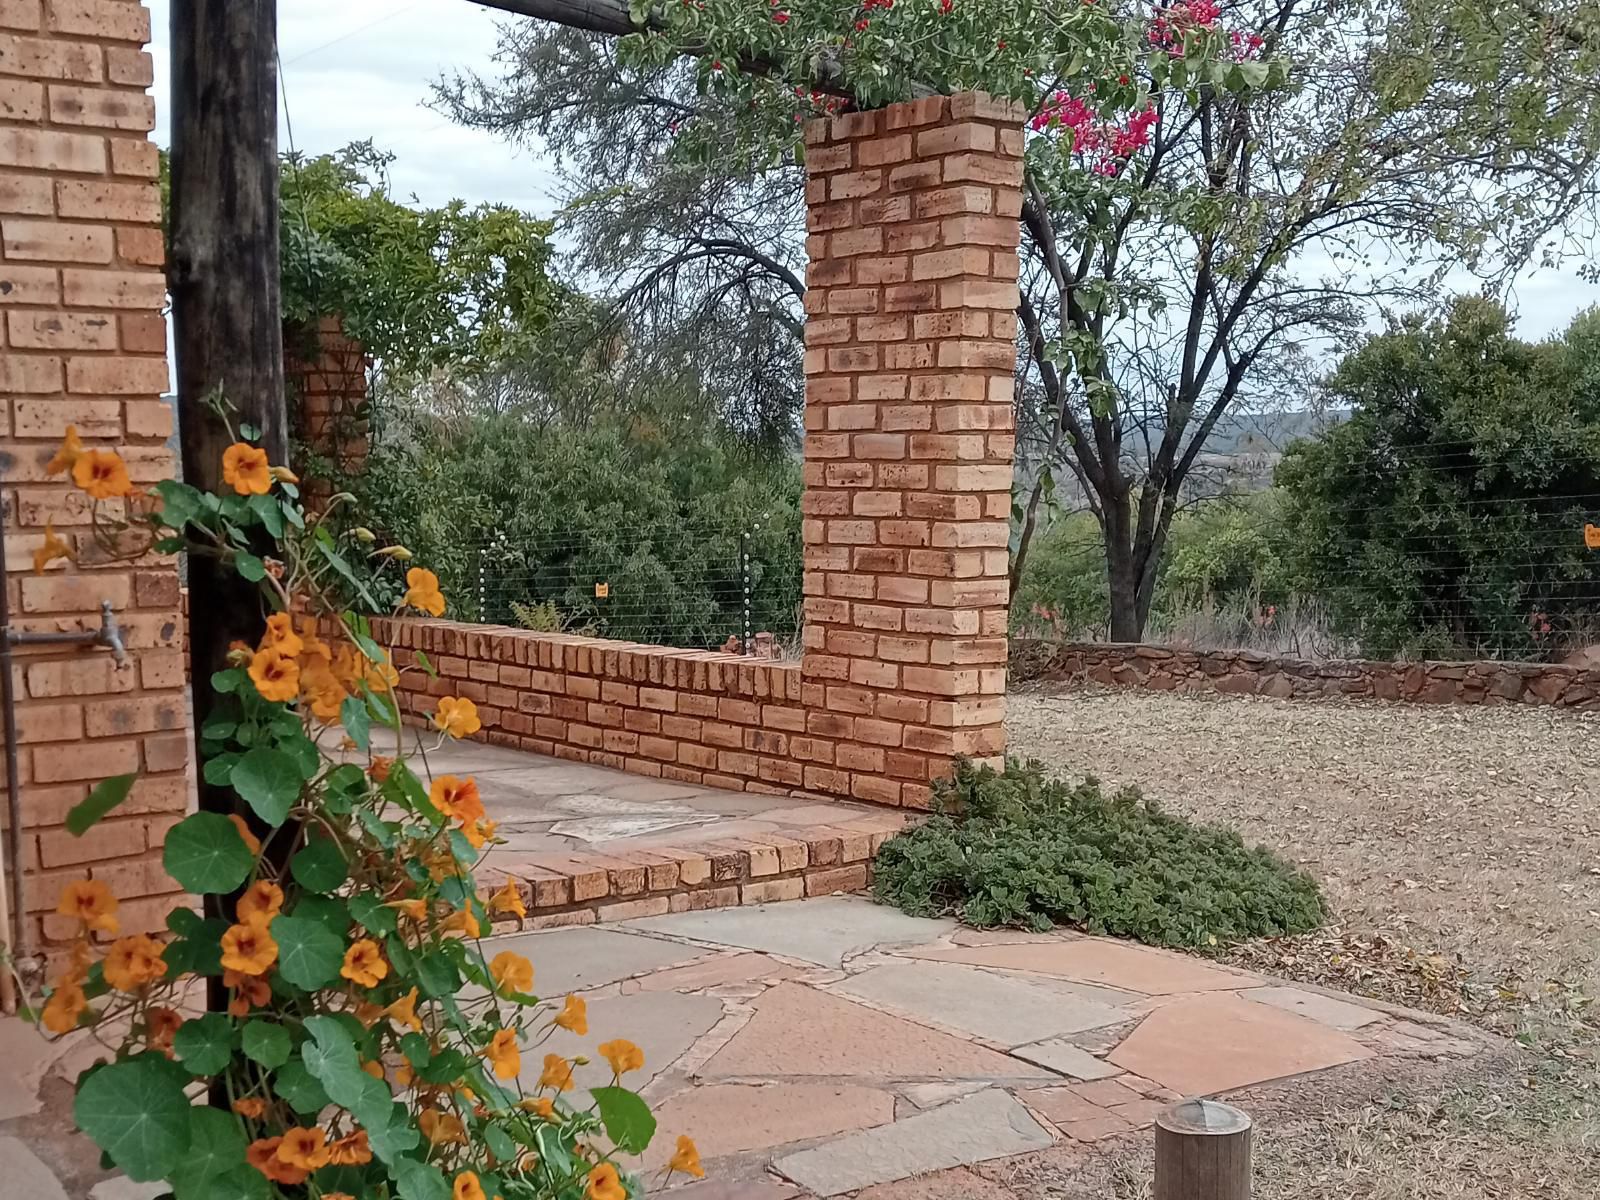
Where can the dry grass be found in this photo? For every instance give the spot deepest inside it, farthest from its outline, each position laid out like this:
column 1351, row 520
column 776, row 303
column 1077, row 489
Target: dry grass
column 1460, row 851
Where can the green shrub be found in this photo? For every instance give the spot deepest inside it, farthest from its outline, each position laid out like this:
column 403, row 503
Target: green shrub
column 1020, row 849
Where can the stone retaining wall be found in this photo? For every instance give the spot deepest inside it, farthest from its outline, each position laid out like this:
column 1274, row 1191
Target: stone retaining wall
column 1247, row 672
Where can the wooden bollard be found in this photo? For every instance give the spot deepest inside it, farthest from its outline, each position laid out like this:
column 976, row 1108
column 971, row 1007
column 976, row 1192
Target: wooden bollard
column 1202, row 1152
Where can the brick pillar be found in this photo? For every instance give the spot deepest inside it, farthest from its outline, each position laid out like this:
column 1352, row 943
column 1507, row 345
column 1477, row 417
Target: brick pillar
column 84, row 343
column 910, row 348
column 326, row 374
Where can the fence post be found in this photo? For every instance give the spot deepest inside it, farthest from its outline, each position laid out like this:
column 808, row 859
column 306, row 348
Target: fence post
column 483, row 588
column 1202, row 1152
column 744, row 603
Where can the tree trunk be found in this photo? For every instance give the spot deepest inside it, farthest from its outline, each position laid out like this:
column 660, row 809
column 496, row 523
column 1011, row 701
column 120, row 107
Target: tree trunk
column 1122, row 571
column 226, row 309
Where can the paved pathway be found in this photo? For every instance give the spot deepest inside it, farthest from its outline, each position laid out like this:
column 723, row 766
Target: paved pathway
column 827, row 1046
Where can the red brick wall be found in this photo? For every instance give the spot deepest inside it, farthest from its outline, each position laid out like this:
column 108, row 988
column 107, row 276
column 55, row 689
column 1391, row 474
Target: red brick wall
column 326, row 373
column 910, row 339
column 83, row 341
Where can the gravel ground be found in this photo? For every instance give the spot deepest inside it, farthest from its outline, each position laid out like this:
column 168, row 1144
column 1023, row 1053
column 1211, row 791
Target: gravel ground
column 1459, row 849
column 1457, row 846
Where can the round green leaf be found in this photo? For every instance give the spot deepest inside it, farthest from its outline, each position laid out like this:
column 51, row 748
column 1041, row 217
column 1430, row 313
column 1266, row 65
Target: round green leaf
column 266, row 1043
column 626, row 1117
column 300, row 1088
column 136, row 1112
column 269, row 782
column 205, row 853
column 320, row 866
column 210, row 1170
column 309, row 953
column 205, row 1044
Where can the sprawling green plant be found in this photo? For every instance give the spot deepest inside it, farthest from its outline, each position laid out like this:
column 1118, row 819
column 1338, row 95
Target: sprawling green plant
column 1018, row 848
column 342, row 918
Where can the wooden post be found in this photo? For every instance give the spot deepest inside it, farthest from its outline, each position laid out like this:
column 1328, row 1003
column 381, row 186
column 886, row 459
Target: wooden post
column 1202, row 1152
column 227, row 315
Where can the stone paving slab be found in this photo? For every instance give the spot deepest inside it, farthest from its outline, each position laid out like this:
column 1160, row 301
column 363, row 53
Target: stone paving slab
column 728, row 1118
column 1116, row 964
column 825, row 932
column 988, row 1125
column 1001, row 1010
column 23, row 1175
column 664, row 1026
column 573, row 960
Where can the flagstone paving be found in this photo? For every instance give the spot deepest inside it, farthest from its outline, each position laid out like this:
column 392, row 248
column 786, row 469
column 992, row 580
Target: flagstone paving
column 823, row 1047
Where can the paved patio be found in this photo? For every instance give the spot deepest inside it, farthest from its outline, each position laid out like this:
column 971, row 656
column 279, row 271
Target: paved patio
column 586, row 843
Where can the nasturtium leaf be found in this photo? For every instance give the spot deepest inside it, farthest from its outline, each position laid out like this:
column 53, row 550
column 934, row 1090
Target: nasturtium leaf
column 309, row 953
column 216, row 1151
column 183, row 921
column 500, row 1145
column 269, row 782
column 219, row 770
column 416, row 1049
column 105, row 796
column 293, row 742
column 242, row 1182
column 295, row 1083
column 437, row 974
column 353, row 714
column 426, row 664
column 269, row 512
column 626, row 1117
column 319, row 866
column 136, row 1111
column 419, row 1181
column 198, row 951
column 180, row 503
column 346, row 778
column 204, row 1044
column 266, row 1043
column 328, row 911
column 444, row 1067
column 249, row 566
column 372, row 913
column 205, row 853
column 383, row 832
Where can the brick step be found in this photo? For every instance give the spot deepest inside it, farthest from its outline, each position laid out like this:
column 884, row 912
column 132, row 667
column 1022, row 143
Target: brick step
column 626, row 881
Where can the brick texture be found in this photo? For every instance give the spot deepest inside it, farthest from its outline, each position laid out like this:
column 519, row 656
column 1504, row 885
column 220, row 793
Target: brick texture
column 83, row 342
column 326, row 373
column 912, row 212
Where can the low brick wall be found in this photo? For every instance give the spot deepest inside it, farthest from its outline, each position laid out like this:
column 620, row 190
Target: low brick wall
column 1247, row 672
column 691, row 715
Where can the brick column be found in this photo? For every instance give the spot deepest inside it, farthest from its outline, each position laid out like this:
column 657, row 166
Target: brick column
column 84, row 343
column 326, row 374
column 910, row 349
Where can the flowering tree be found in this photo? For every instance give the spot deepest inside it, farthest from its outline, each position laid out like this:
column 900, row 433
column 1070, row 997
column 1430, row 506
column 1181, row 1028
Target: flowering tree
column 1202, row 183
column 348, row 1062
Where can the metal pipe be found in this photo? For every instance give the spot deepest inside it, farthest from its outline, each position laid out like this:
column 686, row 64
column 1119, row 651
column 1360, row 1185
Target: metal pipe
column 21, row 942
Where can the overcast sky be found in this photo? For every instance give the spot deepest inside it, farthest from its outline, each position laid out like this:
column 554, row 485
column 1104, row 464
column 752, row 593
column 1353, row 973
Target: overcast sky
column 355, row 69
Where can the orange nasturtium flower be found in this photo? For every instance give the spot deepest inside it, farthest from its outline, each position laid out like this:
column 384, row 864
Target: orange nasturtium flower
column 245, row 467
column 605, row 1184
column 65, row 1005
column 508, row 900
column 380, row 676
column 52, row 549
column 479, row 832
column 511, row 972
column 574, row 1016
column 457, row 798
column 249, row 991
column 463, row 920
column 441, row 1128
column 687, row 1158
column 90, row 901
column 251, row 1107
column 304, row 1148
column 541, row 1106
column 275, row 674
column 67, row 454
column 378, row 770
column 623, row 1055
column 102, row 474
column 467, row 1187
column 261, row 901
column 412, row 909
column 503, row 1054
column 262, row 1154
column 280, row 636
column 251, row 842
column 322, row 691
column 363, row 963
column 248, row 949
column 404, row 1011
column 457, row 716
column 351, row 1150
column 422, row 592
column 133, row 962
column 557, row 1073
column 161, row 1026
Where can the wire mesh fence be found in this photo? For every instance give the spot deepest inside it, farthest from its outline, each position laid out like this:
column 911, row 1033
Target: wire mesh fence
column 732, row 585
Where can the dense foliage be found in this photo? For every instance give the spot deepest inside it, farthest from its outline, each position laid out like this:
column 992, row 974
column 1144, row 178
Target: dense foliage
column 361, row 1044
column 662, row 516
column 1446, row 517
column 1017, row 848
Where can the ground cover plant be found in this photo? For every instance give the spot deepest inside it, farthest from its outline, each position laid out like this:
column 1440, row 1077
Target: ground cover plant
column 361, row 1043
column 1016, row 847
